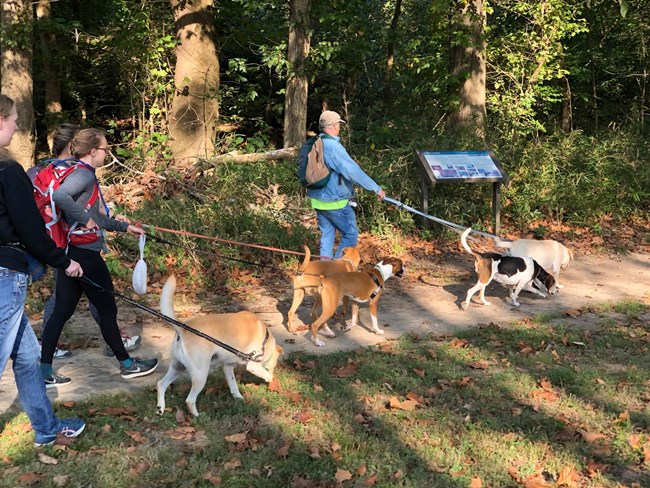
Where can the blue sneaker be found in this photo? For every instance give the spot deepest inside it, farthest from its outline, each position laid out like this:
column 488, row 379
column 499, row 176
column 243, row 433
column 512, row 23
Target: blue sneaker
column 71, row 427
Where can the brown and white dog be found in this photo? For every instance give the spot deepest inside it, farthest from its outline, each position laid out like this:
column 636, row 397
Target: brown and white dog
column 243, row 331
column 307, row 281
column 517, row 273
column 358, row 286
column 550, row 255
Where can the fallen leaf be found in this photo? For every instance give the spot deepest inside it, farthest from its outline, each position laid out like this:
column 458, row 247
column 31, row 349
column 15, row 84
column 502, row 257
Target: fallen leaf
column 303, row 417
column 232, row 464
column 634, row 440
column 284, row 450
column 420, row 372
column 236, row 438
column 373, row 480
column 574, row 313
column 30, row 478
column 568, row 477
column 45, row 459
column 274, row 385
column 343, row 475
column 591, row 437
column 138, row 468
column 476, row 483
column 623, row 417
column 457, row 343
column 69, row 404
column 61, row 479
column 481, row 364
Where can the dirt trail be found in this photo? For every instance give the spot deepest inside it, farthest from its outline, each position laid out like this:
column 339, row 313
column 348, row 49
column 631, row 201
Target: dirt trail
column 427, row 302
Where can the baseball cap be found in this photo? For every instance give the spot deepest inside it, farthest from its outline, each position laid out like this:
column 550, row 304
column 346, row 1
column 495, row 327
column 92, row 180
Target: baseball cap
column 329, row 118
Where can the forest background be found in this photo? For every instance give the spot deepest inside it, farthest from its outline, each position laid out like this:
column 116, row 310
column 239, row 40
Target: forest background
column 206, row 102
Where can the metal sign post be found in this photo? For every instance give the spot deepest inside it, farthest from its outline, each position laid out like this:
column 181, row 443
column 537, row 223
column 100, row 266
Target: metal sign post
column 462, row 167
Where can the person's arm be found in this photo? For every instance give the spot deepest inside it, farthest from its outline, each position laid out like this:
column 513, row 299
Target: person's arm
column 338, row 159
column 28, row 223
column 79, row 184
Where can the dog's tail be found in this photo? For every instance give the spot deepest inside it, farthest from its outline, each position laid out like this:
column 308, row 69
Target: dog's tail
column 499, row 242
column 463, row 240
column 305, row 262
column 167, row 298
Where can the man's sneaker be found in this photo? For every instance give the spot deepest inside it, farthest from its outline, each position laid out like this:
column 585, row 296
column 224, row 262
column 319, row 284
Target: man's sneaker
column 140, row 367
column 71, row 427
column 56, row 380
column 131, row 343
column 62, row 353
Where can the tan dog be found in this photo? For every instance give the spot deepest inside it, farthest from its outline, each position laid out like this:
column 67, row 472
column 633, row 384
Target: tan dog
column 550, row 255
column 307, row 281
column 242, row 331
column 358, row 286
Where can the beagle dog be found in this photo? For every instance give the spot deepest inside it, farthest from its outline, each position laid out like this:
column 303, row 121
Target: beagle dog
column 517, row 273
column 357, row 286
column 549, row 254
column 243, row 331
column 307, row 281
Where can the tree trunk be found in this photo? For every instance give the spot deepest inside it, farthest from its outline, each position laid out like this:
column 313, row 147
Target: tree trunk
column 390, row 52
column 16, row 69
column 195, row 108
column 295, row 101
column 566, row 122
column 53, row 107
column 468, row 64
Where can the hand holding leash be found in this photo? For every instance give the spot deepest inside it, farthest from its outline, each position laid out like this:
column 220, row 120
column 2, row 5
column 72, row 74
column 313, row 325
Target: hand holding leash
column 74, row 270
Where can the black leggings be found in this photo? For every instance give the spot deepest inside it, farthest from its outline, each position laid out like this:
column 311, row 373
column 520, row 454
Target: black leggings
column 68, row 293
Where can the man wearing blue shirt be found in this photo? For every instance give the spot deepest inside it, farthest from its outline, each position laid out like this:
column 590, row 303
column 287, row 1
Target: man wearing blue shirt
column 332, row 202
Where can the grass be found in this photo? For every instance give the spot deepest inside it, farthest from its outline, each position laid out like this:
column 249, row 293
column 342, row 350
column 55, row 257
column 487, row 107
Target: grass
column 517, row 405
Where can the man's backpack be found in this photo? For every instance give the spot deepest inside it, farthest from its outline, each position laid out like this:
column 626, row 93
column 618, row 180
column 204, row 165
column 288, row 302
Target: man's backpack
column 46, row 181
column 313, row 172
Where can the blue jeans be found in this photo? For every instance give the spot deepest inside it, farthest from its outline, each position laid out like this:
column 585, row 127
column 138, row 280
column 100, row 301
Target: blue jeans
column 329, row 221
column 18, row 342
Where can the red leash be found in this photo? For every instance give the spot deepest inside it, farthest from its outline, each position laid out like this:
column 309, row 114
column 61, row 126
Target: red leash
column 219, row 239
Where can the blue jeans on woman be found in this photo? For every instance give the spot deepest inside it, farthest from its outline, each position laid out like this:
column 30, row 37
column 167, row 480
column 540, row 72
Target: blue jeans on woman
column 329, row 221
column 18, row 342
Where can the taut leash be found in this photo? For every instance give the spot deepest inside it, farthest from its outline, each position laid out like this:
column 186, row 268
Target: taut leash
column 253, row 356
column 228, row 241
column 450, row 225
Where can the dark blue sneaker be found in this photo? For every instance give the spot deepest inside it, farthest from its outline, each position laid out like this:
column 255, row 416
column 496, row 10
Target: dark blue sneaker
column 71, row 427
column 140, row 367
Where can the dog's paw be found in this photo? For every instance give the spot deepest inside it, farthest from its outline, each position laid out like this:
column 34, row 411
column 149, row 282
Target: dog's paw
column 487, row 303
column 347, row 326
column 378, row 331
column 516, row 304
column 557, row 285
column 326, row 331
column 160, row 409
column 464, row 305
column 318, row 342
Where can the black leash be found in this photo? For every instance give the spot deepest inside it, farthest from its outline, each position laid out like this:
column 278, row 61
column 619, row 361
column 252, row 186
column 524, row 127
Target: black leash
column 257, row 357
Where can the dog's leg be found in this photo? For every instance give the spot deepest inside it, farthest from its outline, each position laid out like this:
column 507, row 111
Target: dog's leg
column 373, row 318
column 318, row 305
column 482, row 295
column 229, row 373
column 556, row 275
column 258, row 370
column 354, row 319
column 516, row 293
column 326, row 331
column 298, row 296
column 470, row 293
column 529, row 287
column 172, row 373
column 199, row 375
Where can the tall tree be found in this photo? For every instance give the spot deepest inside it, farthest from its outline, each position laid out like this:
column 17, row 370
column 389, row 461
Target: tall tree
column 295, row 103
column 195, row 108
column 47, row 41
column 468, row 66
column 16, row 69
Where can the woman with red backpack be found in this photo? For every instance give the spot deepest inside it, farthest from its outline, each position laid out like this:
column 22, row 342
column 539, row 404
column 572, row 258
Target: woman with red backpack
column 79, row 198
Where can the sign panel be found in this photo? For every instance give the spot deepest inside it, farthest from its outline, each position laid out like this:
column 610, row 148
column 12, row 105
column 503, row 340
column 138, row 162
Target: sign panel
column 461, row 165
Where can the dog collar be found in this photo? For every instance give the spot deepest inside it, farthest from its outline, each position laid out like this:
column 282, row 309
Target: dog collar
column 258, row 357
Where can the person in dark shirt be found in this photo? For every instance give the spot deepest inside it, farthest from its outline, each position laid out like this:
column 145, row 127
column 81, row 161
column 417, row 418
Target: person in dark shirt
column 22, row 231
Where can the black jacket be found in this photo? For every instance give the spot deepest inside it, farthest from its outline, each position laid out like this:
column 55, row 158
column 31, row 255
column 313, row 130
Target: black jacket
column 21, row 225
